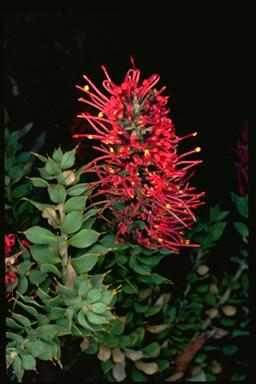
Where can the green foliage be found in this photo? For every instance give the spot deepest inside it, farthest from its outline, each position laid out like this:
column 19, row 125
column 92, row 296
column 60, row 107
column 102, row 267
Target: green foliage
column 17, row 165
column 55, row 297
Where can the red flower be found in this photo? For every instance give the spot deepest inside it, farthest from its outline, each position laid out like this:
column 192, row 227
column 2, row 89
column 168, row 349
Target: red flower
column 10, row 277
column 9, row 241
column 141, row 173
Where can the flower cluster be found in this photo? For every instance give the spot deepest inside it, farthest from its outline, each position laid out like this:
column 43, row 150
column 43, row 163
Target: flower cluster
column 140, row 172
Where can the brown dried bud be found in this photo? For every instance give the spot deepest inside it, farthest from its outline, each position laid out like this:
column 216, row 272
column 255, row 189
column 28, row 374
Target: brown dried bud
column 216, row 367
column 202, row 270
column 175, row 377
column 212, row 313
column 117, row 355
column 104, row 353
column 229, row 310
column 214, row 289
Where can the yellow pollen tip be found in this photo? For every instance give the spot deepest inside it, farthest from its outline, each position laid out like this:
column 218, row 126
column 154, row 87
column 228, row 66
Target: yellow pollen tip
column 86, row 88
column 195, row 133
column 146, row 152
column 154, row 90
column 186, row 242
column 168, row 206
column 90, row 137
column 111, row 149
column 198, row 149
column 100, row 114
column 160, row 240
column 132, row 183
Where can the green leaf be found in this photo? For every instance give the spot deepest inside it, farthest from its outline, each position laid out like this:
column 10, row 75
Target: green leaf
column 52, row 168
column 50, row 268
column 84, row 238
column 241, row 204
column 163, row 364
column 141, row 308
column 191, row 277
column 200, row 358
column 40, row 157
column 92, row 212
column 245, row 282
column 36, row 348
column 72, row 222
column 57, row 154
column 40, row 235
column 68, row 159
column 242, row 229
column 216, row 230
column 107, row 297
column 23, row 284
column 57, row 193
column 9, row 322
column 202, row 288
column 16, row 173
column 47, row 332
column 28, row 362
column 84, row 263
column 24, row 266
column 92, row 349
column 83, row 289
column 78, row 189
column 44, row 254
column 28, row 308
column 230, row 349
column 240, row 332
column 56, row 313
column 22, row 320
column 210, row 298
column 44, row 174
column 15, row 337
column 138, row 376
column 216, row 214
column 117, row 326
column 17, row 367
column 75, row 204
column 38, row 182
column 38, row 205
column 82, row 320
column 151, row 261
column 37, row 277
column 21, row 191
column 227, row 322
column 129, row 288
column 95, row 319
column 94, row 295
column 151, row 350
column 137, row 267
column 99, row 308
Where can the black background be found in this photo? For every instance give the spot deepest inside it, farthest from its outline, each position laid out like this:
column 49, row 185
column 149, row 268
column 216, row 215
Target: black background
column 202, row 59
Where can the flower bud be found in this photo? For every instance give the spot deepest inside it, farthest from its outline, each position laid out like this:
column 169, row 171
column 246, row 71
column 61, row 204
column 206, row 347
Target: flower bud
column 229, row 310
column 202, row 270
column 195, row 370
column 212, row 313
column 214, row 289
column 216, row 367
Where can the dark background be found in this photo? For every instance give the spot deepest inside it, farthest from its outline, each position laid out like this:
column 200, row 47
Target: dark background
column 201, row 59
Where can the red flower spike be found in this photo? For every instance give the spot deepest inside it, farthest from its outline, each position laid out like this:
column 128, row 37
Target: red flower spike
column 141, row 174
